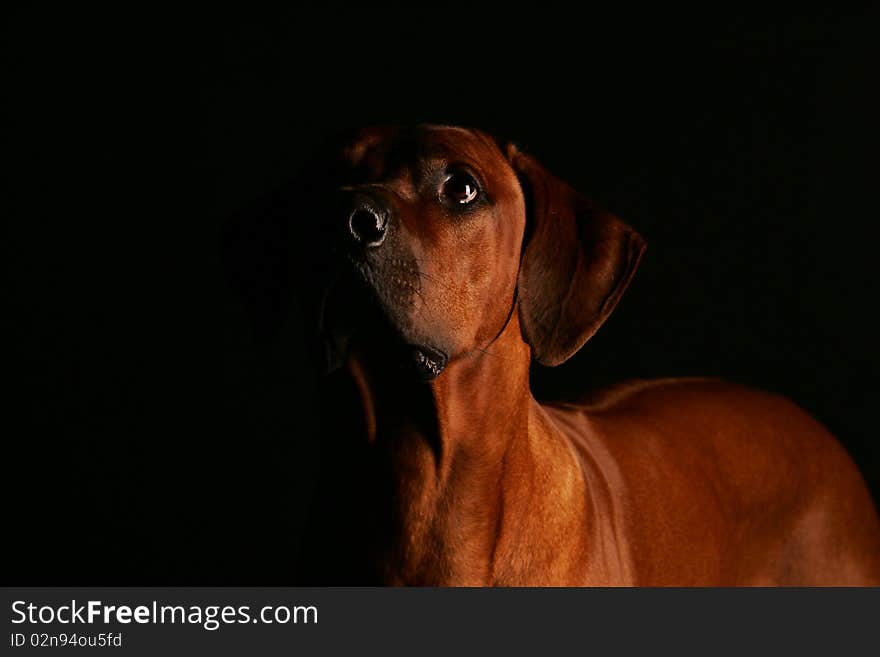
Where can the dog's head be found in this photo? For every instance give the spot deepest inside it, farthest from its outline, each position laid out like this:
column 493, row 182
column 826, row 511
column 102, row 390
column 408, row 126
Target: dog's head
column 446, row 234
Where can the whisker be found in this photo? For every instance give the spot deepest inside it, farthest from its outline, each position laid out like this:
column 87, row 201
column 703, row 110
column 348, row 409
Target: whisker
column 492, row 353
column 436, row 280
column 424, row 302
column 419, row 294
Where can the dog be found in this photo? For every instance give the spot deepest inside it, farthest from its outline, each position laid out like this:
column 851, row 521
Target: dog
column 455, row 261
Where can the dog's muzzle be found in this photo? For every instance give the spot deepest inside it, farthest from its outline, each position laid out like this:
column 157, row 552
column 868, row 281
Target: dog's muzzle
column 369, row 222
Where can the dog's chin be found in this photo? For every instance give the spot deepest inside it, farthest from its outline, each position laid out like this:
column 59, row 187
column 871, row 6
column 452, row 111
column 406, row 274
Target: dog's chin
column 358, row 325
column 394, row 356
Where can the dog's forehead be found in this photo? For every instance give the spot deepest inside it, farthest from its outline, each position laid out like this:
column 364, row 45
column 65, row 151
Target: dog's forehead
column 452, row 143
column 385, row 150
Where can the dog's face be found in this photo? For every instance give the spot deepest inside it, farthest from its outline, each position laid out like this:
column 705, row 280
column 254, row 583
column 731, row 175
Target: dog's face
column 435, row 219
column 448, row 234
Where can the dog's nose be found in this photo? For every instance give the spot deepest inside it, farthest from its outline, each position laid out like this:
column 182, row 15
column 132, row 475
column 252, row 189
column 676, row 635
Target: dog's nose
column 368, row 225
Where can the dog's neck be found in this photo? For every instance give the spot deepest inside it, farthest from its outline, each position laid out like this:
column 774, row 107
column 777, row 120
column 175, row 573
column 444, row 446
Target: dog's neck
column 452, row 453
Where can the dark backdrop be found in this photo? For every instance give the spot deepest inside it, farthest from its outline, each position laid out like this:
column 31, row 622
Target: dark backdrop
column 156, row 430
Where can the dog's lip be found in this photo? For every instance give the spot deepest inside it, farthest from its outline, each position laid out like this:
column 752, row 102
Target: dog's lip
column 434, row 354
column 428, row 362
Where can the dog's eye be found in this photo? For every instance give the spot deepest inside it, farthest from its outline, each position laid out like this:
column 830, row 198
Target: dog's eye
column 460, row 187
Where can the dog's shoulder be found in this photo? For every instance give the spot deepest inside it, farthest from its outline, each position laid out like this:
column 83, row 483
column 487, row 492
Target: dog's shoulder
column 666, row 395
column 708, row 423
column 702, row 416
column 622, row 395
column 674, row 396
column 721, row 457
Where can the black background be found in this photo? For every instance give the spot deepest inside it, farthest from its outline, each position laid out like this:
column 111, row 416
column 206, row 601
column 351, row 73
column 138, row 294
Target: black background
column 156, row 433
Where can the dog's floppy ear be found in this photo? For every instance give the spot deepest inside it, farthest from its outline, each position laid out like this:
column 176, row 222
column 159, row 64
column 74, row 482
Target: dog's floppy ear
column 576, row 262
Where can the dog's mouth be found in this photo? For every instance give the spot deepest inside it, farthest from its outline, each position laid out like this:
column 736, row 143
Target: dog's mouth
column 426, row 362
column 352, row 315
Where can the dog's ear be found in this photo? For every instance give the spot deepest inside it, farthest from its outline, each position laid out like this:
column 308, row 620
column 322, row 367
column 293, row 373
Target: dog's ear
column 576, row 262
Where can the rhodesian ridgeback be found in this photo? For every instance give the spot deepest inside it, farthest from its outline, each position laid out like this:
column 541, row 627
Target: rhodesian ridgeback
column 459, row 261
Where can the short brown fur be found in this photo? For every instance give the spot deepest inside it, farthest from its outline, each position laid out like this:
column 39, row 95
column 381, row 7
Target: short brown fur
column 692, row 482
